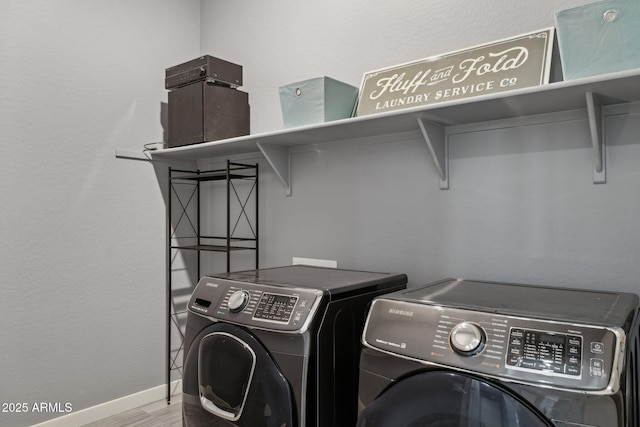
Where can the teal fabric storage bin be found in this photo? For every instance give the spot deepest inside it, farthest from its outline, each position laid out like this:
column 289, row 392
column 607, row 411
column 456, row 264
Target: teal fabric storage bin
column 316, row 100
column 599, row 38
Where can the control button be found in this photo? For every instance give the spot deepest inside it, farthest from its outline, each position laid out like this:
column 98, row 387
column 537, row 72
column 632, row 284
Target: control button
column 513, row 360
column 238, row 301
column 557, row 368
column 530, row 364
column 596, row 367
column 597, row 348
column 572, row 369
column 514, row 351
column 574, row 350
column 467, row 338
column 576, row 341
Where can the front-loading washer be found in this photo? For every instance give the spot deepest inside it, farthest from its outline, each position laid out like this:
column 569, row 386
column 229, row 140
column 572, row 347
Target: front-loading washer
column 459, row 353
column 277, row 347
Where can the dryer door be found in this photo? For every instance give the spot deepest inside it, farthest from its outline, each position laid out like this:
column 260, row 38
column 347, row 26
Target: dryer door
column 449, row 399
column 238, row 382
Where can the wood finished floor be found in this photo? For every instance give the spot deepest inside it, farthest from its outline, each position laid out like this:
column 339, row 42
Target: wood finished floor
column 157, row 414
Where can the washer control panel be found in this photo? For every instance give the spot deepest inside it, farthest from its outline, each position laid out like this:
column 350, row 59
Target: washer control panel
column 275, row 307
column 584, row 358
column 545, row 351
column 256, row 305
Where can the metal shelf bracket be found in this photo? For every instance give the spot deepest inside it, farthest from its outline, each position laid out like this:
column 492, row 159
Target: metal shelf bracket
column 279, row 158
column 435, row 137
column 594, row 112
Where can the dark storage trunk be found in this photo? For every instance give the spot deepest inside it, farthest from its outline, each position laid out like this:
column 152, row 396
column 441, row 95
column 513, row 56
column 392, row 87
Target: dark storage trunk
column 204, row 111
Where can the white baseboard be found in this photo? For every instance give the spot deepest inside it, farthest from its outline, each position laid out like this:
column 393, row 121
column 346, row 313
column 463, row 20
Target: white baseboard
column 104, row 410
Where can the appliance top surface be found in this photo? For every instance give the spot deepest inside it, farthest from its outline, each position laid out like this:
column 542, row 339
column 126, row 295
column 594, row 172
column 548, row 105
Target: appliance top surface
column 331, row 280
column 573, row 305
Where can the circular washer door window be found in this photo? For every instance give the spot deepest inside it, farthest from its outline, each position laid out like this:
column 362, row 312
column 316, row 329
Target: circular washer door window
column 449, row 399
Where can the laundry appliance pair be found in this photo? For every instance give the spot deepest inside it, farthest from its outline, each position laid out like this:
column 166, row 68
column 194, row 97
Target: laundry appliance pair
column 282, row 347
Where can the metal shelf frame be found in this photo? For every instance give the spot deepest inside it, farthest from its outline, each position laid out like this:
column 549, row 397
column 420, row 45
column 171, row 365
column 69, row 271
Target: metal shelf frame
column 188, row 213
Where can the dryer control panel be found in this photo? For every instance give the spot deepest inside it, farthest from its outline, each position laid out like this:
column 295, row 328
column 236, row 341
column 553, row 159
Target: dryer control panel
column 270, row 307
column 567, row 356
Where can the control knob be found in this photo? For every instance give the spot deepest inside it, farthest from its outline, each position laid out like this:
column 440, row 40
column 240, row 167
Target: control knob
column 238, row 301
column 467, row 338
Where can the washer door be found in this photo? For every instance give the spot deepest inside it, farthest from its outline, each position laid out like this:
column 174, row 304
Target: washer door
column 238, row 383
column 449, row 399
column 225, row 370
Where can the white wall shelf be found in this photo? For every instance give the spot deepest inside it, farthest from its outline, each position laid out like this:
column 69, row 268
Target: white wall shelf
column 588, row 94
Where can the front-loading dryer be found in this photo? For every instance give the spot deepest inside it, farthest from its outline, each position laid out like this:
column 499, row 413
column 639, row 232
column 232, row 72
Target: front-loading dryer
column 277, row 347
column 460, row 353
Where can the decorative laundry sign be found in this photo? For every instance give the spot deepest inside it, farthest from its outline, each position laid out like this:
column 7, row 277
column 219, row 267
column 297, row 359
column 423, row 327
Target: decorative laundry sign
column 514, row 63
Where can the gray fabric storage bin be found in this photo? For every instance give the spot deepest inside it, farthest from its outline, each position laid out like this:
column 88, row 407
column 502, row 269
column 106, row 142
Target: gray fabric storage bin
column 317, row 100
column 599, row 38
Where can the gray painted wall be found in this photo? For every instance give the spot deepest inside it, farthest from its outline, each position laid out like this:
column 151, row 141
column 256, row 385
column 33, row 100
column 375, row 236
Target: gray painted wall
column 82, row 276
column 522, row 205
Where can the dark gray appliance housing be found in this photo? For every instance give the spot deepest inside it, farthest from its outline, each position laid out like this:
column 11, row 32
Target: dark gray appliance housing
column 464, row 353
column 277, row 347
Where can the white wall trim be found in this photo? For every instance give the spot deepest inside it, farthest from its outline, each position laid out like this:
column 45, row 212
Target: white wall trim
column 113, row 407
